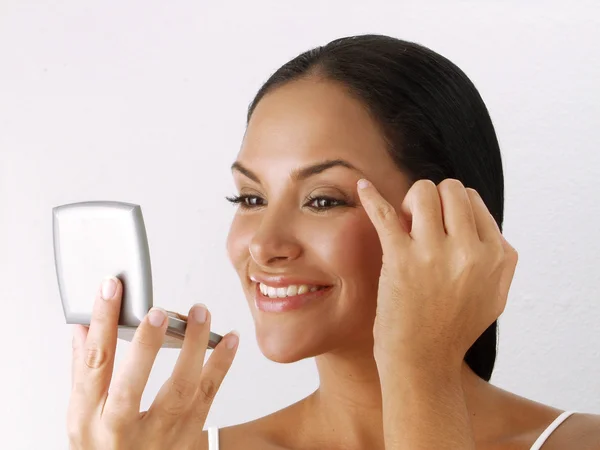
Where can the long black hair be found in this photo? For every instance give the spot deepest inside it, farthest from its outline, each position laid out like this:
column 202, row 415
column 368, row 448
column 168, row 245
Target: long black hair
column 433, row 119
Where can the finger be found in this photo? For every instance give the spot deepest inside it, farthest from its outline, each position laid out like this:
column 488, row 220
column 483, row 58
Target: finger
column 422, row 203
column 99, row 349
column 212, row 377
column 388, row 225
column 177, row 394
column 487, row 227
column 132, row 375
column 79, row 335
column 459, row 219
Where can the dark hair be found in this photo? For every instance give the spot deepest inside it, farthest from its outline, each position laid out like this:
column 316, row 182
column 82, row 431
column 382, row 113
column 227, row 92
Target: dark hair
column 432, row 117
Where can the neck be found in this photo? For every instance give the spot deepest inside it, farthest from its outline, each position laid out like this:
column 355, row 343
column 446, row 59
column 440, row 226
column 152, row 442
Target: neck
column 347, row 406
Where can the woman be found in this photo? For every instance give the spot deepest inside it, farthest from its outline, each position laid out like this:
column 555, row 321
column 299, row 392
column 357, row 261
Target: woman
column 368, row 235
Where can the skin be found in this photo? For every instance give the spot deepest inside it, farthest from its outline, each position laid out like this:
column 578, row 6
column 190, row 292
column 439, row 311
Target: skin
column 279, row 234
column 103, row 419
column 360, row 333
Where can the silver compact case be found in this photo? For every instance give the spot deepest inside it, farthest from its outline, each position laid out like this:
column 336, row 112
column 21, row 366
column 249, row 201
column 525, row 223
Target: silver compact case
column 98, row 238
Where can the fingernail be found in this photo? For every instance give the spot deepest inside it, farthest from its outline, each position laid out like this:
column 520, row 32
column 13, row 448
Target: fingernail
column 109, row 287
column 200, row 312
column 232, row 340
column 157, row 316
column 362, row 183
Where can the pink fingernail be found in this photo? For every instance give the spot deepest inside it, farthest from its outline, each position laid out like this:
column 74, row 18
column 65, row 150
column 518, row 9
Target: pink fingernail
column 109, row 288
column 362, row 183
column 157, row 316
column 200, row 313
column 232, row 339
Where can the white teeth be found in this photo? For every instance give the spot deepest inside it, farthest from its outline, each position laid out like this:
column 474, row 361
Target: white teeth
column 303, row 289
column 288, row 291
column 292, row 290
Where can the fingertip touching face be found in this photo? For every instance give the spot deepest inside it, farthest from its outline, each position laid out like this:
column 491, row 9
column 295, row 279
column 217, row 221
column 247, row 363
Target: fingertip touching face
column 306, row 252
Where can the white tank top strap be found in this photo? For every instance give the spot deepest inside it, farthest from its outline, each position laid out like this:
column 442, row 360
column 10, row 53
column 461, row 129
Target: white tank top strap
column 213, row 438
column 548, row 431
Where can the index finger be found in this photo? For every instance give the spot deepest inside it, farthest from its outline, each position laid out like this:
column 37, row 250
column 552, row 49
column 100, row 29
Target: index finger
column 97, row 359
column 388, row 225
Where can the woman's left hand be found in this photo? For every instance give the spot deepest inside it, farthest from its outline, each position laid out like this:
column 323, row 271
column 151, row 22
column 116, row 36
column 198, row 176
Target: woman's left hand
column 446, row 273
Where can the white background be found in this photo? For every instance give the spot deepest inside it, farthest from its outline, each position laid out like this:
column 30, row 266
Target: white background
column 145, row 102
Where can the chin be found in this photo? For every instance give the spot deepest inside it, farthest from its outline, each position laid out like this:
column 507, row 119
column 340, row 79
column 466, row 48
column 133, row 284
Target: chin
column 285, row 343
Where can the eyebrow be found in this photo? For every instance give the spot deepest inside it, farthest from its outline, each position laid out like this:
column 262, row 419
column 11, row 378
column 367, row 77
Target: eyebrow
column 302, row 173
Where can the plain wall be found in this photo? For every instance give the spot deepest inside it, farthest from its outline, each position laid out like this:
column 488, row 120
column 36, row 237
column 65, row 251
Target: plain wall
column 145, row 102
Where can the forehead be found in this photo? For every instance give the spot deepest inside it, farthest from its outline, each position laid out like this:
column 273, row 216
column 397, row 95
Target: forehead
column 310, row 120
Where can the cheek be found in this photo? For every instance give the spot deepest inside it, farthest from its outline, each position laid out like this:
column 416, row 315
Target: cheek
column 238, row 241
column 351, row 250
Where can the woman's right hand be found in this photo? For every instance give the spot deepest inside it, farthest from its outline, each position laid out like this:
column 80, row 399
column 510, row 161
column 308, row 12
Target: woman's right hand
column 101, row 420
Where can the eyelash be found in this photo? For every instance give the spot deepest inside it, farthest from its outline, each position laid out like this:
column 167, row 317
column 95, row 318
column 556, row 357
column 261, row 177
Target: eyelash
column 242, row 201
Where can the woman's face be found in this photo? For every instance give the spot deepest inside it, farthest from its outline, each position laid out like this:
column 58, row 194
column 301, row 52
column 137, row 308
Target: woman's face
column 300, row 226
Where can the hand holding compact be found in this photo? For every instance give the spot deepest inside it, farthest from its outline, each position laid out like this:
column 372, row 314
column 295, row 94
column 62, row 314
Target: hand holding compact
column 445, row 276
column 101, row 420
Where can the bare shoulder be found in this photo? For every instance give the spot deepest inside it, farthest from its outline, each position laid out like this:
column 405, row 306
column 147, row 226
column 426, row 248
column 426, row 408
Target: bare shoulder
column 517, row 422
column 271, row 432
column 580, row 431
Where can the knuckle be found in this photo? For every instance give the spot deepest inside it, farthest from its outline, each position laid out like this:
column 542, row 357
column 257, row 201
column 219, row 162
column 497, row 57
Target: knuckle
column 76, row 440
column 96, row 356
column 77, row 428
column 451, row 184
column 182, row 389
column 465, row 256
column 472, row 193
column 74, row 430
column 473, row 197
column 385, row 211
column 208, row 390
column 423, row 187
column 511, row 253
column 499, row 259
column 424, row 183
column 428, row 257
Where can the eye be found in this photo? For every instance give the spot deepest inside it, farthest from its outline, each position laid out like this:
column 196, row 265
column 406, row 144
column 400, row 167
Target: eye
column 323, row 203
column 246, row 201
column 320, row 203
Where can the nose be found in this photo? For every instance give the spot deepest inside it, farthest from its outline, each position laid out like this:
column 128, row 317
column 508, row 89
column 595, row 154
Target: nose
column 274, row 242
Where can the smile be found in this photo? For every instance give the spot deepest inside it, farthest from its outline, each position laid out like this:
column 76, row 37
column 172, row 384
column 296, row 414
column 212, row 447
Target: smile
column 272, row 299
column 287, row 291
